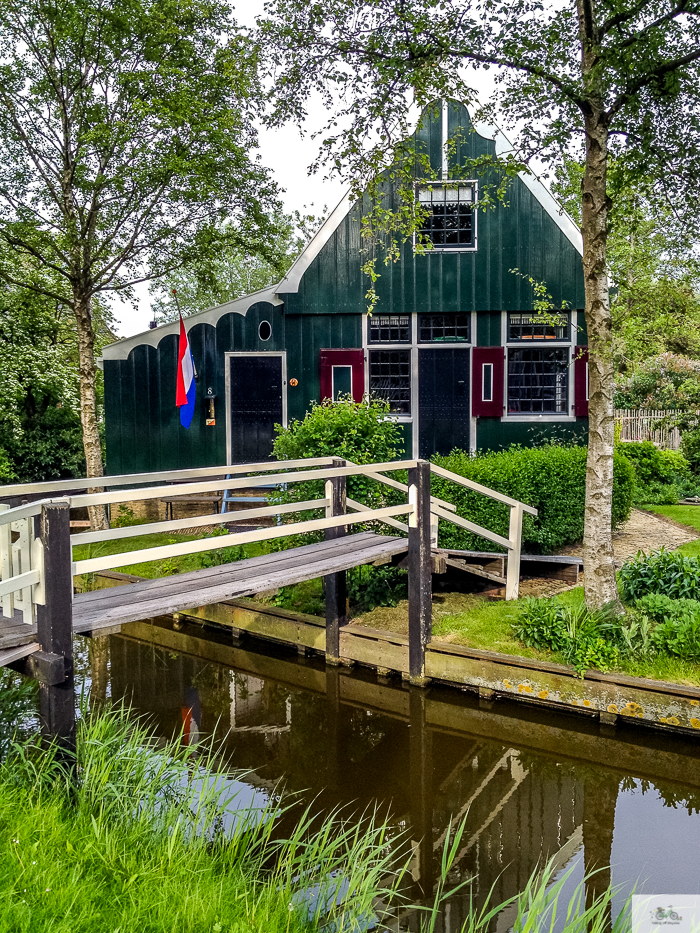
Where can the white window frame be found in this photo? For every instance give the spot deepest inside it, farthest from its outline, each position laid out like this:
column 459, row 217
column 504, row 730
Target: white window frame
column 333, row 369
column 452, row 183
column 484, row 367
column 569, row 345
column 414, row 418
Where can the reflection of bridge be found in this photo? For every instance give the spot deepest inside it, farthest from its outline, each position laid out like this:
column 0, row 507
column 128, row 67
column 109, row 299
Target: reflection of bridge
column 530, row 786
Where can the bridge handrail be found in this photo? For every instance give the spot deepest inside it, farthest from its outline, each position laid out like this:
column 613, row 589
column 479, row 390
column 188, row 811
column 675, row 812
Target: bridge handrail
column 133, row 479
column 109, row 562
column 21, row 561
column 19, row 512
column 245, row 482
column 477, row 487
column 196, row 521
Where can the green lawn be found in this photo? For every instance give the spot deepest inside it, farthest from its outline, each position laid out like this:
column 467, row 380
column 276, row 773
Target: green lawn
column 685, row 515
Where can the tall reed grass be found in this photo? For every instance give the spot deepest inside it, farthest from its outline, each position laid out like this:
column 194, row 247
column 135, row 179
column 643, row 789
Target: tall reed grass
column 154, row 837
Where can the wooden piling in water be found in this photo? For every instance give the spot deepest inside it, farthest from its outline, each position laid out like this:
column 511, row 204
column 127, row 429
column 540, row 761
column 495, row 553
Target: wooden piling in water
column 420, row 571
column 54, row 617
column 335, row 583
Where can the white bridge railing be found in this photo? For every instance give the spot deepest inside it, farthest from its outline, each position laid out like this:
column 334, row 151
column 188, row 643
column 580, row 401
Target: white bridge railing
column 21, row 562
column 21, row 550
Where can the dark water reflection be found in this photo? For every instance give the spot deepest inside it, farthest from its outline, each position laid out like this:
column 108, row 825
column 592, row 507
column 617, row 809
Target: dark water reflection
column 533, row 785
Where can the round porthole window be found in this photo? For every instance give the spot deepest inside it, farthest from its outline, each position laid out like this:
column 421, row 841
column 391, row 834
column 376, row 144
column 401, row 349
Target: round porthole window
column 264, row 330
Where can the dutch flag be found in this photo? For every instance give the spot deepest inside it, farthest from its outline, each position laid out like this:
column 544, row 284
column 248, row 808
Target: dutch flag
column 185, row 395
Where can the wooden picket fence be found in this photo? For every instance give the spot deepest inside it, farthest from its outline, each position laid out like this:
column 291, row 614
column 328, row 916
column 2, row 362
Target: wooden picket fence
column 643, row 425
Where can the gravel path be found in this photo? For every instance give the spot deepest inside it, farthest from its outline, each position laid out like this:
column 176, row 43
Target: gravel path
column 644, row 531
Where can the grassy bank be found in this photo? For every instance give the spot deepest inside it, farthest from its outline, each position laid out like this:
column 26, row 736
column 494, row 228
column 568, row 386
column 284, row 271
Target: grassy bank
column 148, row 839
column 475, row 622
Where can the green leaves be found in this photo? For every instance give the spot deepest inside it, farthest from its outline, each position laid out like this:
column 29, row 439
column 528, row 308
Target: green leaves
column 666, row 572
column 586, row 639
column 551, row 478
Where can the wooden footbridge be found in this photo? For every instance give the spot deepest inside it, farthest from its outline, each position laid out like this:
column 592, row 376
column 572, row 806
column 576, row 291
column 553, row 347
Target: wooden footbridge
column 40, row 612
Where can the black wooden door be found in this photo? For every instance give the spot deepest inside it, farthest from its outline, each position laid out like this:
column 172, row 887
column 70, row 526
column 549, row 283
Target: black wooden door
column 443, row 395
column 256, row 405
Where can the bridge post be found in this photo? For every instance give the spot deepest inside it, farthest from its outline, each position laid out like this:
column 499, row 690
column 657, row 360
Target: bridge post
column 335, row 583
column 55, row 626
column 420, row 580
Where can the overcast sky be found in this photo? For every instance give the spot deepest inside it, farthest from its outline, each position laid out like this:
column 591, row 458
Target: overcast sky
column 288, row 154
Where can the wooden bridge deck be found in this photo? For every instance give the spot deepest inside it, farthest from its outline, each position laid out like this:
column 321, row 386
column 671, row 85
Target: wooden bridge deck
column 109, row 609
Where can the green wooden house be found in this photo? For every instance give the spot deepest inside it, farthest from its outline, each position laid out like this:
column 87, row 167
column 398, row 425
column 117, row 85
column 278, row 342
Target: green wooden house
column 453, row 343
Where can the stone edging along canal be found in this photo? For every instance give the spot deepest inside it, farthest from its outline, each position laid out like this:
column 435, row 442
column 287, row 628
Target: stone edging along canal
column 666, row 706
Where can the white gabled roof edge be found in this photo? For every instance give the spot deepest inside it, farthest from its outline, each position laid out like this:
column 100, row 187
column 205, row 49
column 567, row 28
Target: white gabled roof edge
column 122, row 348
column 290, row 283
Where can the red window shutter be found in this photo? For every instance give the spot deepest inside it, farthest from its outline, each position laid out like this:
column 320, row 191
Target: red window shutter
column 581, row 382
column 353, row 358
column 487, row 382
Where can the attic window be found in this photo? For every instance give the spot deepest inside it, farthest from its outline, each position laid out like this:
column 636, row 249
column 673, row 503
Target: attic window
column 450, row 222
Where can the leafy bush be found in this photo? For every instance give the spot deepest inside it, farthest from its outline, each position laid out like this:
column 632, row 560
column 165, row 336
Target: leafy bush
column 678, row 629
column 659, row 607
column 369, row 587
column 653, row 465
column 680, row 636
column 552, row 478
column 362, row 432
column 585, row 639
column 7, row 473
column 690, row 445
column 656, row 494
column 666, row 572
column 359, row 431
column 662, row 476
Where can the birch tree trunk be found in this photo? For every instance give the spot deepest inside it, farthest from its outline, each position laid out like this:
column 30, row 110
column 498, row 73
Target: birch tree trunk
column 87, row 370
column 599, row 567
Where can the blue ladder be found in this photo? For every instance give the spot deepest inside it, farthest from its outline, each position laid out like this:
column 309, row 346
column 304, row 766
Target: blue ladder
column 228, row 497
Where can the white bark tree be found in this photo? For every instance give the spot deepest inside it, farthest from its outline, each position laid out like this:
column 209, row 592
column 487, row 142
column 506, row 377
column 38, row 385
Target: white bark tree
column 126, row 133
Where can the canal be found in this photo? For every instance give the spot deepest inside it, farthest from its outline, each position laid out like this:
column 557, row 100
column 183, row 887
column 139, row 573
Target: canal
column 533, row 784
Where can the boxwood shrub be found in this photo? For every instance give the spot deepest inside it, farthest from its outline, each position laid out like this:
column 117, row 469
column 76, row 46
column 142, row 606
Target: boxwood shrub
column 552, row 478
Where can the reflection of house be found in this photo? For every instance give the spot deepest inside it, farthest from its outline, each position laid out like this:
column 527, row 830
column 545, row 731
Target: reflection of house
column 452, row 345
column 257, row 706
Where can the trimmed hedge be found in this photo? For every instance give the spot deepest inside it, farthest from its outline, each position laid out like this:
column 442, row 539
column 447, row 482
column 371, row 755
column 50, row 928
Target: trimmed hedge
column 551, row 478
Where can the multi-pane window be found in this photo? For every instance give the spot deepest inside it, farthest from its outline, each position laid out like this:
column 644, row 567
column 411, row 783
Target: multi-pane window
column 448, row 216
column 390, row 328
column 447, row 328
column 390, row 378
column 538, row 380
column 530, row 325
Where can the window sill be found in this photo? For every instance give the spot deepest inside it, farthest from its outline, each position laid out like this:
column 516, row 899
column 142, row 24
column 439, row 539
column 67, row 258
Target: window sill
column 540, row 418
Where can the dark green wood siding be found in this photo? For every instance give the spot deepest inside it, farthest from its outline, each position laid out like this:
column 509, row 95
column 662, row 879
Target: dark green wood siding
column 514, row 236
column 142, row 423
